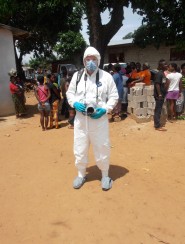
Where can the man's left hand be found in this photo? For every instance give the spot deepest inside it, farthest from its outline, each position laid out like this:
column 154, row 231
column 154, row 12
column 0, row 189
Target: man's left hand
column 99, row 113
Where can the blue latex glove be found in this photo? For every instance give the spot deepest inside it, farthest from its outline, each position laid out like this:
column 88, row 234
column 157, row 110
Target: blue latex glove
column 79, row 106
column 99, row 113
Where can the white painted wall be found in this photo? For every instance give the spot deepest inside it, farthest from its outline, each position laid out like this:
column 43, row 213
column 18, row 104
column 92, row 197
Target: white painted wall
column 7, row 62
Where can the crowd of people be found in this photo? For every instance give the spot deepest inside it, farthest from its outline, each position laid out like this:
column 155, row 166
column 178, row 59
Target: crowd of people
column 126, row 77
column 91, row 95
column 52, row 99
column 169, row 86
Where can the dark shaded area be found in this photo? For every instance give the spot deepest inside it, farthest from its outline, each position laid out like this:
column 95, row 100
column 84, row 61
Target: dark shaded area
column 2, row 119
column 31, row 110
column 61, row 125
column 115, row 172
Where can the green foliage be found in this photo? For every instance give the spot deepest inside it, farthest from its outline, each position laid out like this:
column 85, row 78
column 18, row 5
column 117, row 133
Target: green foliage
column 110, row 4
column 35, row 63
column 43, row 19
column 142, row 38
column 164, row 22
column 70, row 44
column 128, row 36
column 42, row 62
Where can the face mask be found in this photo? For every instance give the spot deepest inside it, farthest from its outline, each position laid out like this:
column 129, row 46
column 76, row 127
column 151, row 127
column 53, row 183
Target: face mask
column 91, row 65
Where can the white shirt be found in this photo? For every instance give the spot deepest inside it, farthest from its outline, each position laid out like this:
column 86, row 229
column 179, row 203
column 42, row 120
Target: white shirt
column 174, row 79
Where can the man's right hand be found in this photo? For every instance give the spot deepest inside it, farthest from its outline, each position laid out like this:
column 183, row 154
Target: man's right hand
column 79, row 106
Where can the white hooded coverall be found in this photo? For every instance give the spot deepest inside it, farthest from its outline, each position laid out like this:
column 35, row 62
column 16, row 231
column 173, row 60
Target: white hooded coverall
column 86, row 129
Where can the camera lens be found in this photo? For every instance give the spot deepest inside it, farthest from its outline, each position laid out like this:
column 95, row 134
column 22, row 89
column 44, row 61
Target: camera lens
column 90, row 110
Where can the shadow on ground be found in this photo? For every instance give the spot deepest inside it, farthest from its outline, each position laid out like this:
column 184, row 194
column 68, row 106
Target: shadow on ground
column 116, row 172
column 2, row 119
column 31, row 110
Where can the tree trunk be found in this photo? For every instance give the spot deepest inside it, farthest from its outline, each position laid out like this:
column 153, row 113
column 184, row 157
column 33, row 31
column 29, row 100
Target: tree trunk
column 18, row 61
column 100, row 35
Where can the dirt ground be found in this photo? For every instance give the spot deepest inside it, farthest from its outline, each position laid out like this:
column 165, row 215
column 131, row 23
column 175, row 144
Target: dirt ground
column 39, row 206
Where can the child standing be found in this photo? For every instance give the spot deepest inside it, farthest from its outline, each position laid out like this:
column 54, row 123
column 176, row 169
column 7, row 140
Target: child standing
column 42, row 94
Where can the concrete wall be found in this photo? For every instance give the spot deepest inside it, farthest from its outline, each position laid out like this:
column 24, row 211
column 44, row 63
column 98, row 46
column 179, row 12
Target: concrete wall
column 149, row 54
column 7, row 62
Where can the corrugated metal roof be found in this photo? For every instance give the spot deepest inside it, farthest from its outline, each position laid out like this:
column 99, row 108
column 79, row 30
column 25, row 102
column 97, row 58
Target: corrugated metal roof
column 120, row 42
column 15, row 31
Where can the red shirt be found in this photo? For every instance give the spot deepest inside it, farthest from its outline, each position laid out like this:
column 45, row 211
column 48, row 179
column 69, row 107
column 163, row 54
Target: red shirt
column 13, row 88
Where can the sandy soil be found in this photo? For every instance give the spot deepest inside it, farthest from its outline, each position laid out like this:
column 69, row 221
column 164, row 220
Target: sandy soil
column 38, row 204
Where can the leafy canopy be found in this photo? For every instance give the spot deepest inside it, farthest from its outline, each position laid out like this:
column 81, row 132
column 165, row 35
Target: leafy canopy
column 163, row 22
column 70, row 43
column 43, row 19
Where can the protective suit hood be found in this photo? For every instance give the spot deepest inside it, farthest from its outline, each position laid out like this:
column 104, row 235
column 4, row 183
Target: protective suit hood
column 92, row 51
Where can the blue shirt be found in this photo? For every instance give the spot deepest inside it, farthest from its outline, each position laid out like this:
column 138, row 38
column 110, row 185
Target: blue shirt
column 119, row 84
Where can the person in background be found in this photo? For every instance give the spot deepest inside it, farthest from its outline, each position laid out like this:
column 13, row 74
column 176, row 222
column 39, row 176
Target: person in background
column 71, row 110
column 159, row 93
column 38, row 72
column 48, row 78
column 110, row 68
column 54, row 101
column 134, row 76
column 174, row 88
column 42, row 94
column 125, row 91
column 17, row 97
column 93, row 98
column 64, row 86
column 59, row 79
column 145, row 74
column 138, row 75
column 20, row 83
column 117, row 76
column 180, row 101
column 183, row 85
column 166, row 72
column 166, row 102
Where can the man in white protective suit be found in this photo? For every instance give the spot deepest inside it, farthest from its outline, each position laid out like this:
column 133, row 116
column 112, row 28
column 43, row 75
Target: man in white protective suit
column 93, row 95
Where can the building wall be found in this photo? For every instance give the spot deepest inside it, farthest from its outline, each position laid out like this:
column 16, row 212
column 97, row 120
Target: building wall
column 150, row 54
column 7, row 61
